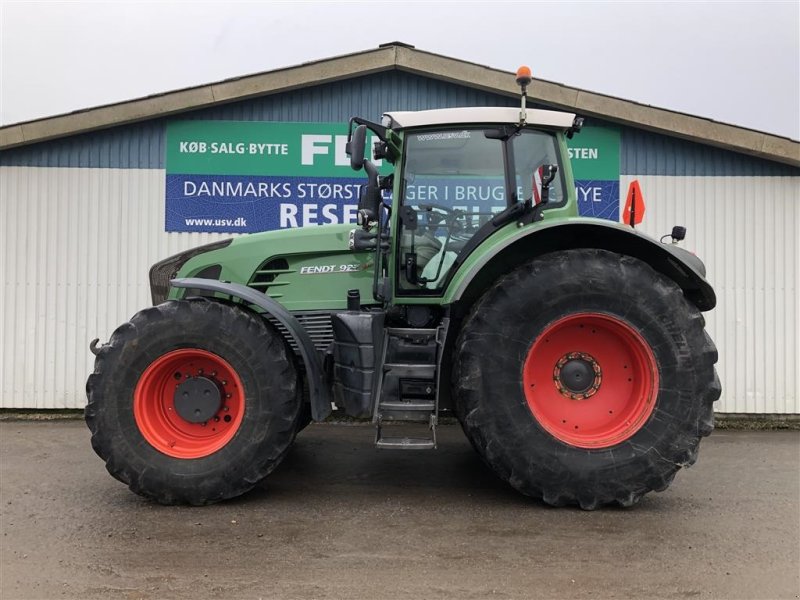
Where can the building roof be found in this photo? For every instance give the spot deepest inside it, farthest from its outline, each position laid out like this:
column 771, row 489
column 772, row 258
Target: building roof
column 479, row 114
column 402, row 57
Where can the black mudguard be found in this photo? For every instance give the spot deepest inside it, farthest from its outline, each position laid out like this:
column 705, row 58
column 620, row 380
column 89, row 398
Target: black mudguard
column 318, row 392
column 683, row 267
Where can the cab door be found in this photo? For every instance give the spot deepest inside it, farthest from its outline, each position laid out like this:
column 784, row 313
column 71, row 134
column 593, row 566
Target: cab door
column 453, row 182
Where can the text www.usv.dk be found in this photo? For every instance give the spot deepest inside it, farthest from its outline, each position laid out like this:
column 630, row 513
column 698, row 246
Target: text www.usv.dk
column 238, row 222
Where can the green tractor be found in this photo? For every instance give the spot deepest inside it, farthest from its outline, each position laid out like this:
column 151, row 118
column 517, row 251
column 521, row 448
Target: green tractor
column 572, row 350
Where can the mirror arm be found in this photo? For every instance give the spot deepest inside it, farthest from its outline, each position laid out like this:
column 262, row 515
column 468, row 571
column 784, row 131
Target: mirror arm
column 370, row 200
column 533, row 214
column 509, row 214
column 375, row 128
column 372, row 173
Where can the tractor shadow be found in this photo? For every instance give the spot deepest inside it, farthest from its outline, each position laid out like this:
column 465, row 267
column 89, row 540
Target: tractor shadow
column 341, row 460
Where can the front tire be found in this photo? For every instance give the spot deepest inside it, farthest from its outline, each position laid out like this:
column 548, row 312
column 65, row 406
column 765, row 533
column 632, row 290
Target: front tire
column 585, row 377
column 193, row 402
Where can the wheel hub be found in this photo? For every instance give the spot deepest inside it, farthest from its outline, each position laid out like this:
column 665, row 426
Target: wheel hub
column 197, row 399
column 577, row 375
column 189, row 403
column 619, row 398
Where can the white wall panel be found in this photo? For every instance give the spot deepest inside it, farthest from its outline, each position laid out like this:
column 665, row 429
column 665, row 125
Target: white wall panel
column 76, row 248
column 77, row 244
column 746, row 230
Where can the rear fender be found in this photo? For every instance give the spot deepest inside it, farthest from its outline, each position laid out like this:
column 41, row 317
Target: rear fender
column 502, row 256
column 318, row 392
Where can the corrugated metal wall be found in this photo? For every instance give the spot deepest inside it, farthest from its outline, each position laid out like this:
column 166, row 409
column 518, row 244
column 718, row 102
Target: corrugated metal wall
column 76, row 248
column 647, row 153
column 746, row 229
column 77, row 245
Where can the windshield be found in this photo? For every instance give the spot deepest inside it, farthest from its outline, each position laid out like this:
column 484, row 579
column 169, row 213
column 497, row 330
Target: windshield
column 455, row 181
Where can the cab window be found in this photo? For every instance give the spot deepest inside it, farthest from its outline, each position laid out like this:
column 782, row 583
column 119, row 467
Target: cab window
column 454, row 181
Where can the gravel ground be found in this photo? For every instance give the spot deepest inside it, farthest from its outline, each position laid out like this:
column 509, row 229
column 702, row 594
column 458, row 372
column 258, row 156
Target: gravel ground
column 341, row 520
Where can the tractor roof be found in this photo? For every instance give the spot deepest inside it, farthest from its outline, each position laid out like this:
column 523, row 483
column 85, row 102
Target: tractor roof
column 470, row 115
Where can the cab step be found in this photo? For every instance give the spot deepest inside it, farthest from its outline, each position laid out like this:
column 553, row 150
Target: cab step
column 408, row 405
column 408, row 389
column 405, row 443
column 411, row 370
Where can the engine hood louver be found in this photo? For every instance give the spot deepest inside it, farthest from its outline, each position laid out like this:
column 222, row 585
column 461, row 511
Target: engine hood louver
column 266, row 278
column 317, row 324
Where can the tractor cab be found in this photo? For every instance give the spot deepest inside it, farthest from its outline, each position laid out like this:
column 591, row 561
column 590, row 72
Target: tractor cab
column 461, row 174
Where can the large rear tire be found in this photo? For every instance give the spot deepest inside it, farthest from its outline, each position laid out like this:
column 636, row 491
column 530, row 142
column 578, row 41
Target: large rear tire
column 193, row 402
column 585, row 377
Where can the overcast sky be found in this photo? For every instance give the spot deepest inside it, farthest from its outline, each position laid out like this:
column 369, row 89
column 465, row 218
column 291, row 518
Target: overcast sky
column 736, row 62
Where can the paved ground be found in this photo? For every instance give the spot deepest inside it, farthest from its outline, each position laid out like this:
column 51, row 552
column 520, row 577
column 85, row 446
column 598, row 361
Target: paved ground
column 341, row 520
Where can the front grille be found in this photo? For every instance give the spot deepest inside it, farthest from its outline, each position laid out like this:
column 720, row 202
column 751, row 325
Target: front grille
column 266, row 278
column 317, row 324
column 163, row 271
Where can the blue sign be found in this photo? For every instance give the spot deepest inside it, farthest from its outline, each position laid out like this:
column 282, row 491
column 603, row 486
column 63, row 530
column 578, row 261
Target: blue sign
column 598, row 198
column 251, row 203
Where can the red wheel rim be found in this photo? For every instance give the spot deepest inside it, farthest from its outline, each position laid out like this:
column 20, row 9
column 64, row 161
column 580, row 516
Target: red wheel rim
column 157, row 415
column 616, row 364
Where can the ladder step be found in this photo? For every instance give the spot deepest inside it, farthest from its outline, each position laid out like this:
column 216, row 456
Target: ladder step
column 410, row 331
column 408, row 370
column 404, row 443
column 411, row 405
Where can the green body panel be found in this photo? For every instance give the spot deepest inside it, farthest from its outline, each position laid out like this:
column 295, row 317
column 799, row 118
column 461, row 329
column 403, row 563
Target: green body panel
column 308, row 251
column 508, row 236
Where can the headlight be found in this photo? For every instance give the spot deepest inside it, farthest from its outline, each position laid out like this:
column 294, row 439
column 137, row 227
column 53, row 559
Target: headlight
column 164, row 271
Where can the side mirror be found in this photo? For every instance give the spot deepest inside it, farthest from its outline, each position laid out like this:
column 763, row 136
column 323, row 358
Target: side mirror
column 548, row 174
column 356, row 146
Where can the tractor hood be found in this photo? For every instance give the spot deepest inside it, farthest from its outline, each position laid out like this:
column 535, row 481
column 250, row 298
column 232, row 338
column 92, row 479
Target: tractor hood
column 306, row 268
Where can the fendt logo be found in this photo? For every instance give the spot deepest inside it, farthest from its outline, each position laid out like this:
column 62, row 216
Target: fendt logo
column 326, row 269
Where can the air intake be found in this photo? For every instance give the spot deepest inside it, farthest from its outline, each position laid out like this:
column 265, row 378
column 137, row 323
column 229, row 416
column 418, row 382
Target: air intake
column 266, row 279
